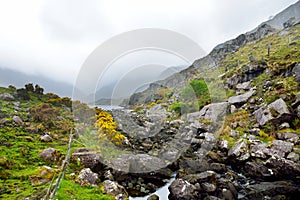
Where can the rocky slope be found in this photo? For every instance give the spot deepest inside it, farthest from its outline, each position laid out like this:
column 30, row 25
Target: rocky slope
column 243, row 141
column 284, row 19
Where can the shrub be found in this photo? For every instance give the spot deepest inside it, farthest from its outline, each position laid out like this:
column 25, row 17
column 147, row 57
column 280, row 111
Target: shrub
column 196, row 91
column 60, row 101
column 23, row 94
column 45, row 114
column 107, row 128
column 38, row 90
column 29, row 87
column 83, row 112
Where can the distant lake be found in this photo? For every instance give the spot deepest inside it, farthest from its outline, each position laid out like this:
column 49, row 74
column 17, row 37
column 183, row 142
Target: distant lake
column 109, row 107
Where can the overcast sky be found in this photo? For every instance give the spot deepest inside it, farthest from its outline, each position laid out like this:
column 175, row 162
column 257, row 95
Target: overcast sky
column 54, row 37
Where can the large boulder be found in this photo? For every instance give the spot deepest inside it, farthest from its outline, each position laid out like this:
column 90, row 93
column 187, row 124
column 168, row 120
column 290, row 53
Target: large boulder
column 276, row 110
column 87, row 178
column 242, row 98
column 142, row 164
column 207, row 176
column 273, row 190
column 257, row 169
column 281, row 148
column 88, row 158
column 214, row 112
column 183, row 190
column 283, row 168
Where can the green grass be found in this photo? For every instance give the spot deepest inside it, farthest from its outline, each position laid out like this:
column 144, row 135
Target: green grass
column 70, row 190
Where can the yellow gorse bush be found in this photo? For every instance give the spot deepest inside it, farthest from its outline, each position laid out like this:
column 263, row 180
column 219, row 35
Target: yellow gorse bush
column 107, row 128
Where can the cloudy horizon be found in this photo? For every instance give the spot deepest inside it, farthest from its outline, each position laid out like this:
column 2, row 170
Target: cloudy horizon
column 54, row 38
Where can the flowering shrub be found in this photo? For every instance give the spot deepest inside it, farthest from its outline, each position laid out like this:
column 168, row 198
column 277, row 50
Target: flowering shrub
column 107, row 128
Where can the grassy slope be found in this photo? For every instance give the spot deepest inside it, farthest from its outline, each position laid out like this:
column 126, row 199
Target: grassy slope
column 19, row 155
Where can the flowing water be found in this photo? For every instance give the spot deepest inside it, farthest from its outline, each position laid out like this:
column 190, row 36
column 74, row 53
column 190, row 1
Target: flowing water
column 162, row 192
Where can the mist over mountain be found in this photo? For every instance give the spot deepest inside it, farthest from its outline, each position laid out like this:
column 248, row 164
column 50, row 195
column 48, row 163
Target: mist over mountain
column 135, row 81
column 19, row 79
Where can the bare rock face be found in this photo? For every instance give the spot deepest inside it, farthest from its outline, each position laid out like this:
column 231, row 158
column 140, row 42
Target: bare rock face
column 183, row 190
column 274, row 110
column 50, row 155
column 113, row 188
column 87, row 178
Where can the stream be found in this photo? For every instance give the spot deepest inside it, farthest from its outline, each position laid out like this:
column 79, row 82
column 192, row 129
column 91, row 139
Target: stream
column 162, row 192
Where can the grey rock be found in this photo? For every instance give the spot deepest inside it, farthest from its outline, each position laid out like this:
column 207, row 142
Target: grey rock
column 7, row 97
column 208, row 187
column 233, row 109
column 113, row 188
column 244, row 86
column 207, row 176
column 227, row 195
column 293, row 156
column 50, row 155
column 17, row 120
column 257, row 169
column 279, row 106
column 239, row 151
column 108, row 175
column 218, row 167
column 214, row 112
column 283, row 168
column 234, row 133
column 241, row 99
column 46, row 138
column 296, row 72
column 183, row 190
column 88, row 159
column 224, row 145
column 284, row 125
column 281, row 147
column 234, row 80
column 264, row 114
column 259, row 150
column 271, row 189
column 139, row 163
column 87, row 178
column 254, row 131
column 289, row 137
